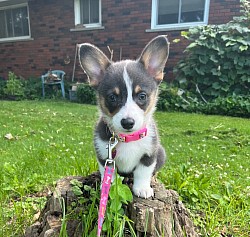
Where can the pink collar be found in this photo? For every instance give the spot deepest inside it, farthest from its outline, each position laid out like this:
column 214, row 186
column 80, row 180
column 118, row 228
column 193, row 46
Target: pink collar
column 133, row 136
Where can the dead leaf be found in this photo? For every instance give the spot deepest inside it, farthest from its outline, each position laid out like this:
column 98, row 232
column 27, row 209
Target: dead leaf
column 214, row 137
column 36, row 216
column 9, row 136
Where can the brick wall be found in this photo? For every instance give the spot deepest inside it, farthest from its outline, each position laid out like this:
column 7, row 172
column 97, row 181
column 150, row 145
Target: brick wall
column 125, row 22
column 222, row 11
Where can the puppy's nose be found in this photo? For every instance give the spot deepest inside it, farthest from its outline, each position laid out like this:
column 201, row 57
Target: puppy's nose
column 128, row 123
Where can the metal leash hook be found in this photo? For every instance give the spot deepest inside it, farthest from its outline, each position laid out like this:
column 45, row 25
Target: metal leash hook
column 113, row 141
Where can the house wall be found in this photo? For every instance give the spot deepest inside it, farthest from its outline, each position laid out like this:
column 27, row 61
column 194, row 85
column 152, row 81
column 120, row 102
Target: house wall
column 125, row 23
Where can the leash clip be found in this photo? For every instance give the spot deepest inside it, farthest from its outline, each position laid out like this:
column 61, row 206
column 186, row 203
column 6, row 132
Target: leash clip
column 110, row 163
column 113, row 141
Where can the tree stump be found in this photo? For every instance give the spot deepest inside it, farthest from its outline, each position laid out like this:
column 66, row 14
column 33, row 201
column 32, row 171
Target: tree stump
column 164, row 214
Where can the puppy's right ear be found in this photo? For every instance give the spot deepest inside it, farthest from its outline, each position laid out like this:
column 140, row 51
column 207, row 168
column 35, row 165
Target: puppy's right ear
column 94, row 62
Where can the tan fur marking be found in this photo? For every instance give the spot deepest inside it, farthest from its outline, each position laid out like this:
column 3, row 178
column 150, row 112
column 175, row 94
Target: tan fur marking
column 137, row 89
column 159, row 76
column 146, row 58
column 102, row 105
column 116, row 90
column 152, row 102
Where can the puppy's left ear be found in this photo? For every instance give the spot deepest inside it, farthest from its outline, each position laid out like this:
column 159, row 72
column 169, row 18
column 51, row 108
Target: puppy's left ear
column 154, row 57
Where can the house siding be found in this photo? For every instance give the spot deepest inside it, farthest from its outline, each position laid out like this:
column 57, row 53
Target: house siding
column 125, row 23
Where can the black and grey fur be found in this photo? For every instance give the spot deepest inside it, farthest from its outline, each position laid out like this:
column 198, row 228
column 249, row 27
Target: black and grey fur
column 127, row 94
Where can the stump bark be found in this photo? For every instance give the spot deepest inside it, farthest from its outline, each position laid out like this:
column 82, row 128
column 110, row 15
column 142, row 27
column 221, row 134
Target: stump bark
column 163, row 215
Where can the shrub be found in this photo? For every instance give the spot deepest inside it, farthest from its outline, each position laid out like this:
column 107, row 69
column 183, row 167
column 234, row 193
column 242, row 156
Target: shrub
column 171, row 98
column 86, row 94
column 2, row 86
column 32, row 88
column 14, row 88
column 235, row 105
column 217, row 60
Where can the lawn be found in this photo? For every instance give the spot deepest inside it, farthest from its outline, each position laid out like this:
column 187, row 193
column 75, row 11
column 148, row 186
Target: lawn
column 208, row 162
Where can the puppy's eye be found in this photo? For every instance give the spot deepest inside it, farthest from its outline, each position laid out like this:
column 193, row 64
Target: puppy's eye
column 112, row 98
column 142, row 96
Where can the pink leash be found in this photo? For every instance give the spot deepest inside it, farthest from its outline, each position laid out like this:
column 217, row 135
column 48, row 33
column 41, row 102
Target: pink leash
column 106, row 182
column 104, row 197
column 110, row 168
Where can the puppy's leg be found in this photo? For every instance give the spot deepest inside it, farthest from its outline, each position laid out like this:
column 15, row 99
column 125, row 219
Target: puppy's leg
column 142, row 180
column 161, row 158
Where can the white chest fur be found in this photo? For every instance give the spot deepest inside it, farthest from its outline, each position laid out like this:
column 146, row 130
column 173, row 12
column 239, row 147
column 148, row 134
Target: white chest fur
column 128, row 155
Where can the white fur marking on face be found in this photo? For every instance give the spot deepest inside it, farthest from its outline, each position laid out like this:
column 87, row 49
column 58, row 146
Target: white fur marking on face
column 129, row 110
column 128, row 83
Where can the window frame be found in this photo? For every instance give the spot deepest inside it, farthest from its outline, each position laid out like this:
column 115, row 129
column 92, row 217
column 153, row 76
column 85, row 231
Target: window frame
column 17, row 38
column 176, row 26
column 77, row 10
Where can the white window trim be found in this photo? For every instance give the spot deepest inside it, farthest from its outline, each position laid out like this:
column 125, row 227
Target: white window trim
column 78, row 16
column 178, row 26
column 18, row 38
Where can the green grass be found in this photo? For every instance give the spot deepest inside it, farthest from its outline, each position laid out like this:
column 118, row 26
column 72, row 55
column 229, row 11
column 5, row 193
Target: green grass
column 209, row 166
column 208, row 162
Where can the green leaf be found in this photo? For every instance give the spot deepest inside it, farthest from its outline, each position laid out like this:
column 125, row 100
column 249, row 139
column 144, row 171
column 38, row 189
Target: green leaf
column 243, row 47
column 230, row 43
column 195, row 200
column 77, row 191
column 112, row 192
column 213, row 58
column 184, row 33
column 245, row 78
column 215, row 72
column 216, row 85
column 199, row 71
column 176, row 40
column 195, row 192
column 115, row 205
column 77, row 183
column 225, row 37
column 125, row 193
column 216, row 196
column 87, row 188
column 183, row 184
column 203, row 59
column 93, row 232
column 229, row 189
column 192, row 45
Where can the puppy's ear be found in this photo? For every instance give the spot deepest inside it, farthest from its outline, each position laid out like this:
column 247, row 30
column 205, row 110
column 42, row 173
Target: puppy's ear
column 94, row 62
column 154, row 57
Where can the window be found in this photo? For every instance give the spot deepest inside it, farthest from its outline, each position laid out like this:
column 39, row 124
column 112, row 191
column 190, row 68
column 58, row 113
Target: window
column 88, row 13
column 179, row 13
column 14, row 22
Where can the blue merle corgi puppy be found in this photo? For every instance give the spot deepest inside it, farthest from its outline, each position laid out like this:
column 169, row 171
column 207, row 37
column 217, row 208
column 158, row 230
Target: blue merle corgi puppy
column 127, row 94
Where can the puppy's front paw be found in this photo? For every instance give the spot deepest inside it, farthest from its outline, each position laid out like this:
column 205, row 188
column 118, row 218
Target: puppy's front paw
column 144, row 192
